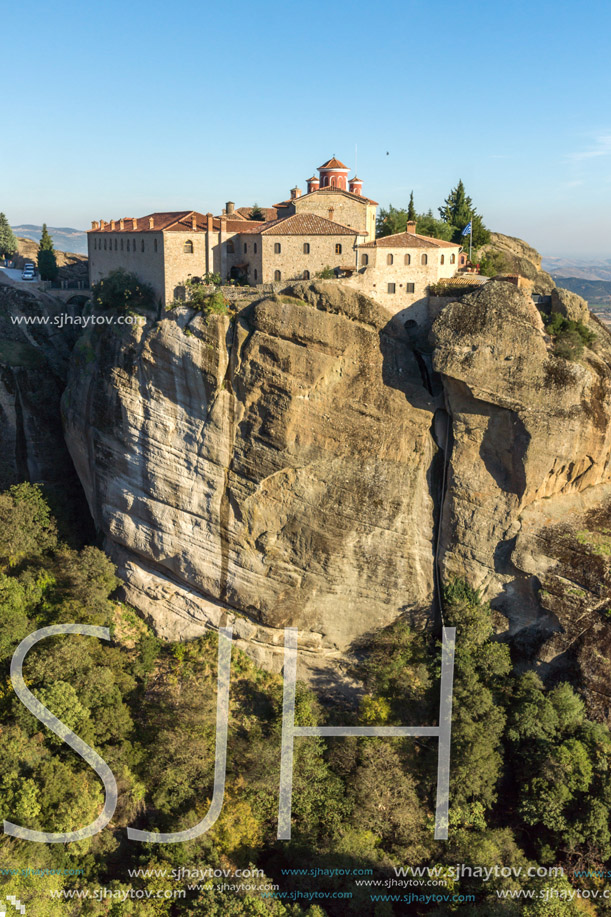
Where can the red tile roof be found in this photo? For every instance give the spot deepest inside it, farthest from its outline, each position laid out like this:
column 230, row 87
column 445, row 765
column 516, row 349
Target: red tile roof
column 270, row 212
column 305, row 224
column 408, row 240
column 333, row 163
column 176, row 220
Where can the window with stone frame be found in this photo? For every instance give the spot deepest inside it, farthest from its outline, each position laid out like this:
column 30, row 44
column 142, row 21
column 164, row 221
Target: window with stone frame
column 392, row 288
column 338, row 248
column 410, row 287
column 424, row 259
column 277, row 275
column 188, row 247
column 407, row 259
column 389, row 259
column 277, row 248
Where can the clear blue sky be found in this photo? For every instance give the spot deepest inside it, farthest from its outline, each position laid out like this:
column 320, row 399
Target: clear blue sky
column 118, row 109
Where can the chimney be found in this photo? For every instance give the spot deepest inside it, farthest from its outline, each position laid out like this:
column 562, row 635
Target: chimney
column 135, row 222
column 194, row 222
column 121, row 224
column 102, row 224
column 229, row 207
column 112, row 225
column 151, row 222
column 94, row 224
column 331, row 212
column 411, row 227
column 223, row 224
column 209, row 222
column 295, row 193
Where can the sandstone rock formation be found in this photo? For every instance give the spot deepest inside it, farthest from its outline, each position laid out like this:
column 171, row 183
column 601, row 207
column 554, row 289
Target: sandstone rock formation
column 271, row 471
column 303, row 465
column 520, row 258
column 570, row 305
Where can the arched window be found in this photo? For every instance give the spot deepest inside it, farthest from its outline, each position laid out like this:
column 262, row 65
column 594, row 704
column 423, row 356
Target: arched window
column 424, row 259
column 364, row 259
column 230, row 248
column 338, row 248
column 389, row 259
column 277, row 275
column 306, row 275
column 306, row 248
column 277, row 248
column 155, row 244
column 452, row 259
column 407, row 259
column 442, row 260
column 188, row 247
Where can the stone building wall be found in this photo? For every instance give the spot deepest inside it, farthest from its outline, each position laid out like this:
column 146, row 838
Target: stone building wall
column 107, row 251
column 374, row 278
column 347, row 210
column 292, row 261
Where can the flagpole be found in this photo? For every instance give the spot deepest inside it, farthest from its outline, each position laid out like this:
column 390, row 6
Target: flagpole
column 470, row 234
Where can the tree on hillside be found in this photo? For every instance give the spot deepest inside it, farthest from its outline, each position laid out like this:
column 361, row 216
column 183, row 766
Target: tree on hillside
column 457, row 210
column 427, row 225
column 8, row 242
column 411, row 210
column 391, row 220
column 256, row 213
column 47, row 263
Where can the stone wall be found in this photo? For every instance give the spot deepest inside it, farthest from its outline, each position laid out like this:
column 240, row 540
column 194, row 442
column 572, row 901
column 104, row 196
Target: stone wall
column 347, row 210
column 374, row 278
column 146, row 264
column 292, row 261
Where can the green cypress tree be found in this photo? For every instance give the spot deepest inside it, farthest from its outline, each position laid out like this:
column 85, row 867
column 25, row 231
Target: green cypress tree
column 47, row 263
column 411, row 209
column 457, row 210
column 8, row 242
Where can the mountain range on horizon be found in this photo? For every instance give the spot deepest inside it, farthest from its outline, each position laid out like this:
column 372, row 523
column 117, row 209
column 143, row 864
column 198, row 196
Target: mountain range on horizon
column 65, row 238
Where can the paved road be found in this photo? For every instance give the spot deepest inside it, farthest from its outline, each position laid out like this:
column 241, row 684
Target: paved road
column 14, row 275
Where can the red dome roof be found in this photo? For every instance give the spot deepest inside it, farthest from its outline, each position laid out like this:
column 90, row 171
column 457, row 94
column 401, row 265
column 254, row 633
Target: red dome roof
column 334, row 163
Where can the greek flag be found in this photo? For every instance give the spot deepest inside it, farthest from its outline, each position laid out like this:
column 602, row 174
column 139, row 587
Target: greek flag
column 467, row 229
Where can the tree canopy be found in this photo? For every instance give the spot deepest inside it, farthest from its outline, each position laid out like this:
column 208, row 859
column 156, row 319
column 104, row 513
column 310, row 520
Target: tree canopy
column 8, row 241
column 47, row 262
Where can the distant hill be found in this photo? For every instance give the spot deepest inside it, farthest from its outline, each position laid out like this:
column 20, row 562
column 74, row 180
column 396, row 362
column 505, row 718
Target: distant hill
column 596, row 292
column 577, row 268
column 64, row 238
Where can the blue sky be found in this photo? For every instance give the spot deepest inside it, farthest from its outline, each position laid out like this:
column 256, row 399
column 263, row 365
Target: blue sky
column 124, row 108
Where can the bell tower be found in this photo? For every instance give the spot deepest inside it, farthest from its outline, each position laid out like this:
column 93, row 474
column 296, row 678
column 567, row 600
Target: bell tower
column 333, row 174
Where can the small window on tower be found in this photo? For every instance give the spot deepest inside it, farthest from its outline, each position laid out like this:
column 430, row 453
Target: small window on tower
column 188, row 247
column 245, row 248
column 254, row 248
column 306, row 248
column 277, row 248
column 142, row 245
column 389, row 259
column 255, row 273
column 338, row 249
column 128, row 244
column 105, row 244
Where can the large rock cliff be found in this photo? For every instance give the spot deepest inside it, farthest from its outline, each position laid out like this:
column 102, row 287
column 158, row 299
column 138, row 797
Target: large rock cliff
column 273, row 470
column 303, row 465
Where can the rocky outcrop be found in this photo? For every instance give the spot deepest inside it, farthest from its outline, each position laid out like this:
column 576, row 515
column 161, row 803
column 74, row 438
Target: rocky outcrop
column 570, row 305
column 519, row 257
column 273, row 470
column 531, row 433
column 300, row 464
column 33, row 366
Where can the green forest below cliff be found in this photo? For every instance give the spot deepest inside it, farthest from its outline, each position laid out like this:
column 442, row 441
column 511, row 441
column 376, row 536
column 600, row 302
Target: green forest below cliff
column 530, row 779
